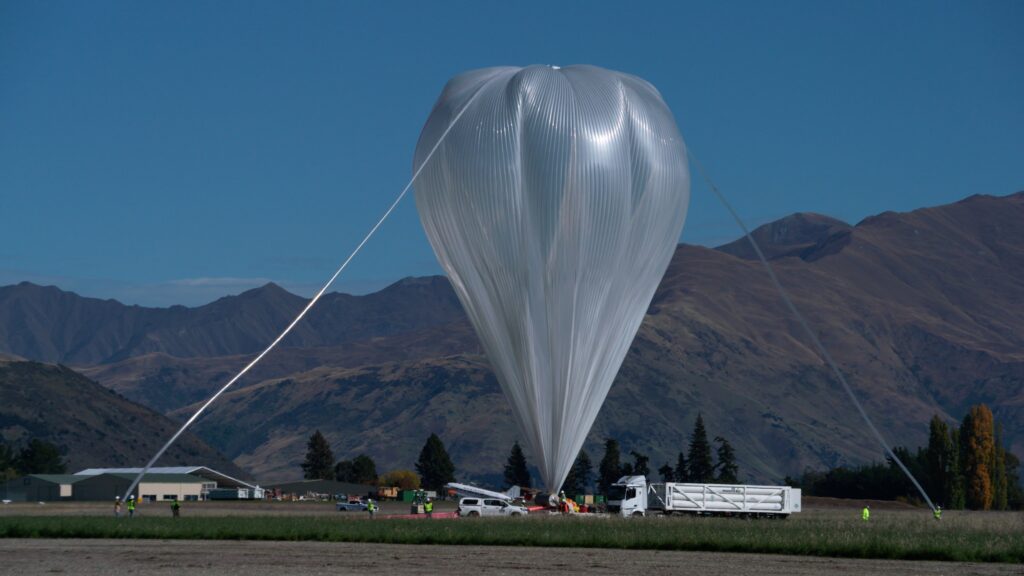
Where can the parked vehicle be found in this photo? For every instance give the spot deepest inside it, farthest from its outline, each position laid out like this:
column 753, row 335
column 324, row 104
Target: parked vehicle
column 633, row 496
column 476, row 507
column 351, row 506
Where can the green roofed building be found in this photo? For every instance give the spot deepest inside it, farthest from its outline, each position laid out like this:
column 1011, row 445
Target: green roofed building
column 40, row 488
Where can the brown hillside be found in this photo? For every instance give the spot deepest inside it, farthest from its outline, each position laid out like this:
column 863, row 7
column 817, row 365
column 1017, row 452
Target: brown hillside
column 92, row 426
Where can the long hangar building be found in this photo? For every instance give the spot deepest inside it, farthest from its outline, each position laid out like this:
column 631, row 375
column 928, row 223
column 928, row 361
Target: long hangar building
column 163, row 483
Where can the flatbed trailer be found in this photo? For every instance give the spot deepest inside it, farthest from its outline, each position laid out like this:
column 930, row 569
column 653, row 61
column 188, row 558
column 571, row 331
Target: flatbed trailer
column 633, row 496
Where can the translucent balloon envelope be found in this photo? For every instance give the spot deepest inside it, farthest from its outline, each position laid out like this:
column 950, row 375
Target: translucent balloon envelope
column 554, row 205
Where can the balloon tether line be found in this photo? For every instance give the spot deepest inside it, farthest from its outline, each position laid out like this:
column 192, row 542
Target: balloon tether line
column 309, row 305
column 807, row 329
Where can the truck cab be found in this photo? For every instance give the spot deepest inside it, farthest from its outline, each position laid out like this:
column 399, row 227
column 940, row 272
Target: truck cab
column 628, row 496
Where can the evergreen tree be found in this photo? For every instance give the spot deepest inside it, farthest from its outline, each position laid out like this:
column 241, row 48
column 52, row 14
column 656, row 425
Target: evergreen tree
column 699, row 461
column 361, row 470
column 668, row 474
column 434, row 465
column 955, row 498
column 610, row 469
column 728, row 470
column 516, row 473
column 939, row 460
column 39, row 457
column 682, row 471
column 319, row 464
column 641, row 466
column 580, row 475
column 1015, row 492
column 978, row 450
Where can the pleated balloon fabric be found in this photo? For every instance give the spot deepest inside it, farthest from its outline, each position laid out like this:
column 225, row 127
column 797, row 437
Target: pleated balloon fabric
column 554, row 206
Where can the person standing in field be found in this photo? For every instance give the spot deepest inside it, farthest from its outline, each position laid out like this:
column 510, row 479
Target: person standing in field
column 865, row 514
column 117, row 507
column 131, row 506
column 371, row 508
column 175, row 508
column 428, row 507
column 938, row 513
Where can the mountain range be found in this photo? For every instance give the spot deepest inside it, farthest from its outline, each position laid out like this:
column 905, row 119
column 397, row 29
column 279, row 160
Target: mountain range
column 922, row 310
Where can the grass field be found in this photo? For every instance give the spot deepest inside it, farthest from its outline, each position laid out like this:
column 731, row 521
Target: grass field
column 906, row 535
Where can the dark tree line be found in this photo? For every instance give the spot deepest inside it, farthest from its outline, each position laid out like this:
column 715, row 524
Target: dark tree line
column 965, row 467
column 697, row 464
column 360, row 470
column 434, row 465
column 35, row 457
column 701, row 462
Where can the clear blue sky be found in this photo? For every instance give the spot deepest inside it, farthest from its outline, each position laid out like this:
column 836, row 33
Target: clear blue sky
column 173, row 152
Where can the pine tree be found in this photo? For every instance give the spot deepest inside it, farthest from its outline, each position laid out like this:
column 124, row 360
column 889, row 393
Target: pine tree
column 516, row 472
column 434, row 465
column 319, row 464
column 668, row 474
column 580, row 475
column 641, row 464
column 682, row 470
column 939, row 459
column 610, row 470
column 700, row 465
column 728, row 470
column 976, row 436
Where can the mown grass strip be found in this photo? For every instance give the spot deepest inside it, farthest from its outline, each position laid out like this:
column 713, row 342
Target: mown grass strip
column 1000, row 540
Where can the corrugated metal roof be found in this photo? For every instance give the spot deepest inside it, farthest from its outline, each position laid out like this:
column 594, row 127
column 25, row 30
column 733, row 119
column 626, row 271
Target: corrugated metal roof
column 58, row 478
column 220, row 477
column 153, row 470
column 170, row 478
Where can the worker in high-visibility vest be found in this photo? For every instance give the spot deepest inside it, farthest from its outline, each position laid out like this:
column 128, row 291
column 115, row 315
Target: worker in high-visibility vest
column 938, row 512
column 175, row 508
column 371, row 508
column 428, row 507
column 131, row 506
column 865, row 514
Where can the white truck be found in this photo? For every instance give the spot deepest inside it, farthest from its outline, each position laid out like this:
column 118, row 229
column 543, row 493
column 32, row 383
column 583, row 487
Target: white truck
column 633, row 496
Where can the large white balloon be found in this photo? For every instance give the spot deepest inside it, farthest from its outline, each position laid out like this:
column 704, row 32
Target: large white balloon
column 554, row 205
